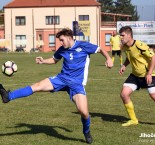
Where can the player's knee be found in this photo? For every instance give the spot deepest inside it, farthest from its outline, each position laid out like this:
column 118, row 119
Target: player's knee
column 152, row 96
column 123, row 95
column 84, row 113
column 36, row 87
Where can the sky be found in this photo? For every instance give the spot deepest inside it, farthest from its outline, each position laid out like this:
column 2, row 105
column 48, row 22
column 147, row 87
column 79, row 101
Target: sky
column 145, row 8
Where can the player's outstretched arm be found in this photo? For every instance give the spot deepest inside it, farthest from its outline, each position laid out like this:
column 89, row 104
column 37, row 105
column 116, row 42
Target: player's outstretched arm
column 41, row 60
column 108, row 63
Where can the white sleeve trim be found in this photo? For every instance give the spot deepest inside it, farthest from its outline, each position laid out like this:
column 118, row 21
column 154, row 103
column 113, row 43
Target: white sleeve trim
column 97, row 49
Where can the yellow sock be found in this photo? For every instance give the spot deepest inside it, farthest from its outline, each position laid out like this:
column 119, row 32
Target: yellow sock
column 121, row 60
column 130, row 109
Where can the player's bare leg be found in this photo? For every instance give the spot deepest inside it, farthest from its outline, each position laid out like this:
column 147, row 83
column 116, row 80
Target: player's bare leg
column 44, row 85
column 152, row 96
column 82, row 106
column 125, row 95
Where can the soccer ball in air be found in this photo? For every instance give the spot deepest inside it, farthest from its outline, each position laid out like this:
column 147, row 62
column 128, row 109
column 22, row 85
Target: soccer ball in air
column 9, row 68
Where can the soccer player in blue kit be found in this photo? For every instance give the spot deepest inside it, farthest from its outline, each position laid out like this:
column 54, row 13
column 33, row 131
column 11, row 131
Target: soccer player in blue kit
column 72, row 77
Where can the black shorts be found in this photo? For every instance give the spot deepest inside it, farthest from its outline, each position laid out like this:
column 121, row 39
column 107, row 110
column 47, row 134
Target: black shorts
column 140, row 82
column 118, row 52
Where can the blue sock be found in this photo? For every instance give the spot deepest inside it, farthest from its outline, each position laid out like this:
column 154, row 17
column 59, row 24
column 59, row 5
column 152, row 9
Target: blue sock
column 86, row 124
column 19, row 93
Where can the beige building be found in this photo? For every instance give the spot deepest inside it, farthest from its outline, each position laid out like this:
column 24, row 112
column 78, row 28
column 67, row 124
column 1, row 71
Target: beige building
column 33, row 24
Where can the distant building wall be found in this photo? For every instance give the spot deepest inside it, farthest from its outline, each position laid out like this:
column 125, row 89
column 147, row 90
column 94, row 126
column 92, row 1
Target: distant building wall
column 106, row 31
column 1, row 31
column 35, row 21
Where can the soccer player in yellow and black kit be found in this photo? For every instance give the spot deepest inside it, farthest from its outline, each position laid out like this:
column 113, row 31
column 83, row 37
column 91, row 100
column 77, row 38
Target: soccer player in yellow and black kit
column 115, row 43
column 142, row 61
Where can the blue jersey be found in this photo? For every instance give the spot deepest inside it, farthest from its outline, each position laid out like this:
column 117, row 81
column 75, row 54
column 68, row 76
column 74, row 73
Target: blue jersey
column 75, row 61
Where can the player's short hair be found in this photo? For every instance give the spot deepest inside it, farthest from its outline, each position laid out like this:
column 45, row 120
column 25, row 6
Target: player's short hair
column 65, row 32
column 127, row 30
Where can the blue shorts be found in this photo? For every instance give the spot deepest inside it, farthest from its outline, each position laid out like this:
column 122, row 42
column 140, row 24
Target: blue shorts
column 65, row 85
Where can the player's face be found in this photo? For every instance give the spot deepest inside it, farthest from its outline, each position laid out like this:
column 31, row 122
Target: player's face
column 114, row 33
column 65, row 41
column 125, row 38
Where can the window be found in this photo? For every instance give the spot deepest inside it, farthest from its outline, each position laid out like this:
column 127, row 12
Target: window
column 83, row 17
column 51, row 20
column 107, row 39
column 40, row 42
column 20, row 20
column 40, row 37
column 84, row 38
column 51, row 40
column 20, row 42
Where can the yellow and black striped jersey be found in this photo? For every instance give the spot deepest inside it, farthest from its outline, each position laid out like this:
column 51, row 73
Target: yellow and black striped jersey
column 139, row 56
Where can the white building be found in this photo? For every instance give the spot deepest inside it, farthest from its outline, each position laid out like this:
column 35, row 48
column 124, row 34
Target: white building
column 32, row 24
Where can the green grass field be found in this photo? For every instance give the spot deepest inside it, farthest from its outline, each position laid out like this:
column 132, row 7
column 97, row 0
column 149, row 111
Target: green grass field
column 52, row 119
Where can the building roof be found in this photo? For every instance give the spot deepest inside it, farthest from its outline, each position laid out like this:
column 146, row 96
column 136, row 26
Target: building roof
column 50, row 3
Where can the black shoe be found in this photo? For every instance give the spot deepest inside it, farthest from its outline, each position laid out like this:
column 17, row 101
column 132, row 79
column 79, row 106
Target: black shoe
column 4, row 94
column 88, row 138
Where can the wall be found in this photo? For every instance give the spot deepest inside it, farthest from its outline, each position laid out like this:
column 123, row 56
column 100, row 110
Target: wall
column 104, row 31
column 35, row 20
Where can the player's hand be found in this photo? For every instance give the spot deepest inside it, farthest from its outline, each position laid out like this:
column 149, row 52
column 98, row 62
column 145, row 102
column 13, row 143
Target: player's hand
column 39, row 60
column 109, row 63
column 122, row 69
column 148, row 79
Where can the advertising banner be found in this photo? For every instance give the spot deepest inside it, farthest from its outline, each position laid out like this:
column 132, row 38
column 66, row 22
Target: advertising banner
column 142, row 30
column 81, row 28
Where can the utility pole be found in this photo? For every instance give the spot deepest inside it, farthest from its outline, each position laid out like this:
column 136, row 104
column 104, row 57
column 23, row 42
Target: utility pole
column 154, row 12
column 142, row 13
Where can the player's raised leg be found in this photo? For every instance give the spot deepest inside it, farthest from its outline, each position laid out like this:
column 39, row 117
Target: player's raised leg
column 44, row 85
column 125, row 95
column 4, row 94
column 82, row 106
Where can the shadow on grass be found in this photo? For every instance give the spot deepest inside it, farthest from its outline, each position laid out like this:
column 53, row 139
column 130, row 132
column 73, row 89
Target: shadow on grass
column 36, row 129
column 110, row 117
column 114, row 118
column 148, row 123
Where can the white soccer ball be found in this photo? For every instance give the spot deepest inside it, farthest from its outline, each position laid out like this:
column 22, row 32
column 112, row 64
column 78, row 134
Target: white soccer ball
column 9, row 68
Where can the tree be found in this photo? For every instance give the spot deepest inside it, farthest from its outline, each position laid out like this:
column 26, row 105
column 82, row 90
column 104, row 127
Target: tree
column 118, row 7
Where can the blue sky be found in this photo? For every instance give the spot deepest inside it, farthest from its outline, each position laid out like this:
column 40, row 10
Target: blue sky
column 146, row 8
